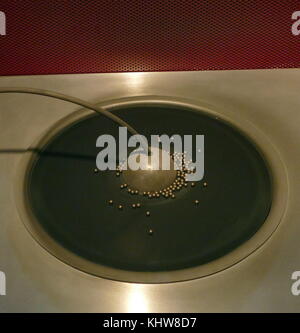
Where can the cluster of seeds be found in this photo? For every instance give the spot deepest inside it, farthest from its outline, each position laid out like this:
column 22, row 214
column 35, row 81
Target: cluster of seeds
column 182, row 164
column 131, row 191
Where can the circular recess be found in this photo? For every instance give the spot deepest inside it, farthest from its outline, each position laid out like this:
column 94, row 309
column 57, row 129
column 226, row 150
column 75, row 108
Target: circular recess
column 67, row 210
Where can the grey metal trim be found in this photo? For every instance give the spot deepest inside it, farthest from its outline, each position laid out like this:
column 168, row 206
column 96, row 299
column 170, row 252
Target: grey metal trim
column 280, row 197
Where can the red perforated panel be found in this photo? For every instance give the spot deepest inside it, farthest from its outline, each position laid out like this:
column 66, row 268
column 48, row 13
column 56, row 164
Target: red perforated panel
column 79, row 36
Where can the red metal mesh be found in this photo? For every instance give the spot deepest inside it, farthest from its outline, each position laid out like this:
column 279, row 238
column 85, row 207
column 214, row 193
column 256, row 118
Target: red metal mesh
column 79, row 36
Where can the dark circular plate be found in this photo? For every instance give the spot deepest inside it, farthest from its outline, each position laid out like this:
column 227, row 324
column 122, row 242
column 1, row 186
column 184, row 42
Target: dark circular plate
column 70, row 201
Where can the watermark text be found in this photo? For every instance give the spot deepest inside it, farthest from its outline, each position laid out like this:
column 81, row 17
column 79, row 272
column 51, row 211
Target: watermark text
column 2, row 24
column 2, row 284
